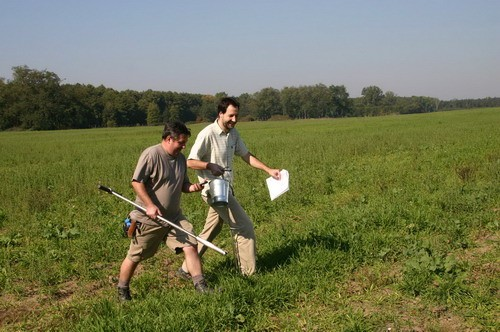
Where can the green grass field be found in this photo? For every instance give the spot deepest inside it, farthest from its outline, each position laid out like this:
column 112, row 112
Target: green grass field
column 390, row 222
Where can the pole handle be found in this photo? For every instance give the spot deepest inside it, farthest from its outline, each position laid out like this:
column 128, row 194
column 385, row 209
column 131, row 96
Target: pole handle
column 106, row 189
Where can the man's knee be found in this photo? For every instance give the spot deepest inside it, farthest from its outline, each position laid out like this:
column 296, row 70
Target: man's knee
column 245, row 230
column 190, row 249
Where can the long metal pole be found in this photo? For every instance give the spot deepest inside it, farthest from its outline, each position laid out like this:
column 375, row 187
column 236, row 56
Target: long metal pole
column 165, row 221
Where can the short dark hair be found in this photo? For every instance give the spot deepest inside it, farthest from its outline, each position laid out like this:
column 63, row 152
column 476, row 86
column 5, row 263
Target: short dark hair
column 225, row 102
column 175, row 129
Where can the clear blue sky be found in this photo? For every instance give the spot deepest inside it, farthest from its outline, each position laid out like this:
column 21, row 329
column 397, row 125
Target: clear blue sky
column 440, row 48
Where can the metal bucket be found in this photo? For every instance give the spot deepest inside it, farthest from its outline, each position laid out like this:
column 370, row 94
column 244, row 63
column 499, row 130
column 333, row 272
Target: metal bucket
column 219, row 192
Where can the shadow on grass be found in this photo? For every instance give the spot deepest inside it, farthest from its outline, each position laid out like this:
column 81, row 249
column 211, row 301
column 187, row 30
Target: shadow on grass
column 283, row 255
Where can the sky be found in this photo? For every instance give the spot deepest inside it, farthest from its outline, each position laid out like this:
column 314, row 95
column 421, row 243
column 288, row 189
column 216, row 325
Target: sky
column 447, row 49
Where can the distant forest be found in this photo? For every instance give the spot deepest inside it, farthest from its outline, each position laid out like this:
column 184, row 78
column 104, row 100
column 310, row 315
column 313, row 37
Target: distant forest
column 37, row 100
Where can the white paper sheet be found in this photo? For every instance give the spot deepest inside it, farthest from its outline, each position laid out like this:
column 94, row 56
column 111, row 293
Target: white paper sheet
column 278, row 187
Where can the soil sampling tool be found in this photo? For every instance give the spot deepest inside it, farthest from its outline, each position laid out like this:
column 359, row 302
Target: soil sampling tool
column 164, row 222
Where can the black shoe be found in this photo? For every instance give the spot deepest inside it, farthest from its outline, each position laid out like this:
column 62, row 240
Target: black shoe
column 183, row 274
column 202, row 287
column 124, row 294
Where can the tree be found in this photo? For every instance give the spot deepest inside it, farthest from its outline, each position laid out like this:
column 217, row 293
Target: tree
column 247, row 106
column 208, row 109
column 35, row 99
column 110, row 110
column 307, row 107
column 268, row 103
column 7, row 120
column 174, row 113
column 342, row 104
column 290, row 102
column 420, row 105
column 321, row 100
column 128, row 109
column 188, row 104
column 373, row 95
column 82, row 107
column 153, row 114
column 390, row 98
column 390, row 102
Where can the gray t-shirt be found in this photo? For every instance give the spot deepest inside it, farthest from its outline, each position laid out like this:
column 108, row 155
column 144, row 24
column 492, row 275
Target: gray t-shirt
column 164, row 177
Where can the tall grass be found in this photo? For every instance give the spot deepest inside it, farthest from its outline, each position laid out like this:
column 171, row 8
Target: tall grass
column 389, row 222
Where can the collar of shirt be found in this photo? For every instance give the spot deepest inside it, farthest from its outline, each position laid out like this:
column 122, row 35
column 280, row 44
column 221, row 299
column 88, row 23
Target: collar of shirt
column 219, row 130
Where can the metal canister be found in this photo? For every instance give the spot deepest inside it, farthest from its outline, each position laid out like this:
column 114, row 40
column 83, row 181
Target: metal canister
column 219, row 192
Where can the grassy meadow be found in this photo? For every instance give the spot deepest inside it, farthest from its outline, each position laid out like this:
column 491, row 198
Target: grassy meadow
column 390, row 222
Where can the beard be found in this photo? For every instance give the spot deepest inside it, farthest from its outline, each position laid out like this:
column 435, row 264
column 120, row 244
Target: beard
column 229, row 124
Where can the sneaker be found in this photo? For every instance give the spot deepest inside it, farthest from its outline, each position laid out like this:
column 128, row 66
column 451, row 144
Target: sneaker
column 183, row 274
column 124, row 294
column 202, row 287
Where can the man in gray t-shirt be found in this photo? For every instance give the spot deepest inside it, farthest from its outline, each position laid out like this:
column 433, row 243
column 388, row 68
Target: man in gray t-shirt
column 211, row 156
column 159, row 180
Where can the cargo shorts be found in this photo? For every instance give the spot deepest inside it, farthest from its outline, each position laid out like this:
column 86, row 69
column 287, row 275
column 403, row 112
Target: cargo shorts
column 147, row 239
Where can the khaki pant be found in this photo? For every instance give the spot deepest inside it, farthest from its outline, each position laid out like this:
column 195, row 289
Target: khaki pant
column 241, row 228
column 147, row 239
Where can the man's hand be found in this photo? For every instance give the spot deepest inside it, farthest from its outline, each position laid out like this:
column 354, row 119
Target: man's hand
column 215, row 169
column 275, row 173
column 152, row 211
column 196, row 187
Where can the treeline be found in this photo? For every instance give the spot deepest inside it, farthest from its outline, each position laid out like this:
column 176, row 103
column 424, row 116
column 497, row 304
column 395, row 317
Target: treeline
column 37, row 100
